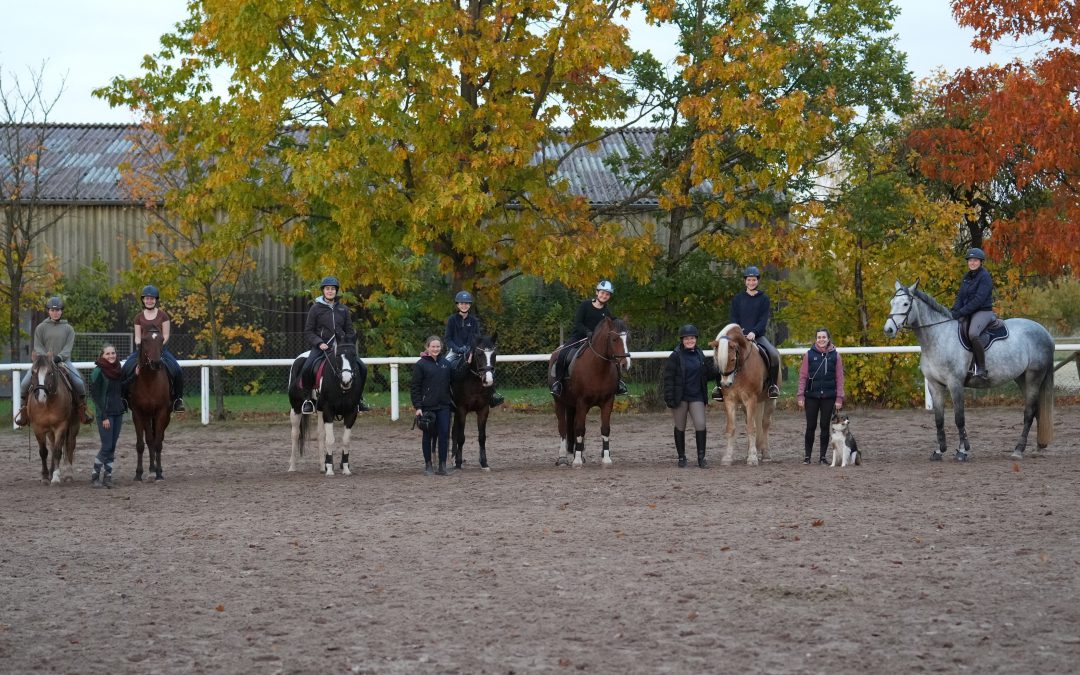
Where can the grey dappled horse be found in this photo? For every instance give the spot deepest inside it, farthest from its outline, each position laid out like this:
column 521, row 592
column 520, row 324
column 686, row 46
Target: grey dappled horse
column 1025, row 357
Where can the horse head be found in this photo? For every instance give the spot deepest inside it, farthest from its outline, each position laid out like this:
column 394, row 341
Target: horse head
column 730, row 350
column 482, row 363
column 344, row 368
column 610, row 341
column 43, row 376
column 150, row 348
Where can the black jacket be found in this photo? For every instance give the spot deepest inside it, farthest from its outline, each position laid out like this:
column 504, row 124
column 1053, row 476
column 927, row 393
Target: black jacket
column 752, row 312
column 675, row 379
column 431, row 379
column 460, row 333
column 976, row 293
column 325, row 321
column 586, row 319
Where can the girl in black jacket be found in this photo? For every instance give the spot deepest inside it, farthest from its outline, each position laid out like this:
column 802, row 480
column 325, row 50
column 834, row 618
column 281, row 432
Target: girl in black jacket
column 686, row 379
column 430, row 393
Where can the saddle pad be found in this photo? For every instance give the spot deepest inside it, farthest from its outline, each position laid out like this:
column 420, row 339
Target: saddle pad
column 319, row 368
column 997, row 330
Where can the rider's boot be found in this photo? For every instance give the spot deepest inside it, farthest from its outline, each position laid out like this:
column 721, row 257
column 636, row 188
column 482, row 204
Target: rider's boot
column 22, row 419
column 621, row 390
column 308, row 406
column 495, row 399
column 699, row 438
column 556, row 388
column 86, row 417
column 979, row 352
column 718, row 394
column 178, row 405
column 680, row 447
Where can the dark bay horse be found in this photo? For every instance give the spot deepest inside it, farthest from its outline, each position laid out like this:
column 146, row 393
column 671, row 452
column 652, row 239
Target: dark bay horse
column 338, row 394
column 470, row 389
column 54, row 417
column 744, row 374
column 593, row 380
column 151, row 402
column 1026, row 357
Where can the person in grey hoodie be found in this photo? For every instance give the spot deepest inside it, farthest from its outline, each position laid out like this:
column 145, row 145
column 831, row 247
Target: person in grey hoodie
column 55, row 336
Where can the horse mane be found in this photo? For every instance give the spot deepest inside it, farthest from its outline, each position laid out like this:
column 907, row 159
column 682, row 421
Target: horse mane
column 934, row 304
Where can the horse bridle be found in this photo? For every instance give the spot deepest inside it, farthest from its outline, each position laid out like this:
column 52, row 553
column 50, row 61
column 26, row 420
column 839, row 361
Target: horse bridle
column 153, row 365
column 330, row 364
column 479, row 372
column 50, row 382
column 733, row 371
column 614, row 357
column 912, row 297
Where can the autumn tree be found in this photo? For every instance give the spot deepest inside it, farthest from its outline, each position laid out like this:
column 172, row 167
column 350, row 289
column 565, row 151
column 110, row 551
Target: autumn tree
column 1003, row 139
column 191, row 251
column 28, row 273
column 374, row 135
column 762, row 93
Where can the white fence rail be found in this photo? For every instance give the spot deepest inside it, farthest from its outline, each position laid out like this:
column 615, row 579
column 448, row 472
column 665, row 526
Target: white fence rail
column 395, row 363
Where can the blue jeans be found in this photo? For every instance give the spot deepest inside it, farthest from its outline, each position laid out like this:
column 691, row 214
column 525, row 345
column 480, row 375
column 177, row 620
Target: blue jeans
column 109, row 437
column 440, row 432
column 176, row 373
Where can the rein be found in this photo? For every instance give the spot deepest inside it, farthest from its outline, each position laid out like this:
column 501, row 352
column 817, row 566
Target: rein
column 614, row 357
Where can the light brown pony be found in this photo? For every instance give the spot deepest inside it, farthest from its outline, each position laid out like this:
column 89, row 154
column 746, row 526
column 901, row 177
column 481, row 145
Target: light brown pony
column 592, row 382
column 151, row 405
column 743, row 376
column 54, row 417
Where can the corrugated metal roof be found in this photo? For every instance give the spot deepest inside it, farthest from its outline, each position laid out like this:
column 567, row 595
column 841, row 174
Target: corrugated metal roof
column 81, row 163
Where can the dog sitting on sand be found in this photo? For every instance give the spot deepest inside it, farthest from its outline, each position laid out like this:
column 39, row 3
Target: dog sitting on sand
column 842, row 442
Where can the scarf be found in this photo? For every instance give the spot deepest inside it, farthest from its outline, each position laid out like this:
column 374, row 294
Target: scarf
column 110, row 370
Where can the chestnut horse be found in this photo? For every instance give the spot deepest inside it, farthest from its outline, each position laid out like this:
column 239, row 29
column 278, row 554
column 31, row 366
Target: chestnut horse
column 592, row 382
column 470, row 388
column 744, row 376
column 151, row 404
column 54, row 417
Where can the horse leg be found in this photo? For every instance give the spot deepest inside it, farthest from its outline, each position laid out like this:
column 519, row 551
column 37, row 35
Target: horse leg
column 561, row 412
column 458, row 435
column 43, row 450
column 767, row 409
column 963, row 447
column 481, row 435
column 327, row 444
column 729, row 431
column 1031, row 409
column 296, row 422
column 605, row 432
column 753, row 421
column 937, row 400
column 346, row 438
column 576, row 418
column 140, row 443
column 69, row 450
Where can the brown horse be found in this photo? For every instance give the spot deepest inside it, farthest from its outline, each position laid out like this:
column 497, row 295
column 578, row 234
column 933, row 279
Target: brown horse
column 470, row 389
column 151, row 405
column 593, row 380
column 54, row 417
column 744, row 376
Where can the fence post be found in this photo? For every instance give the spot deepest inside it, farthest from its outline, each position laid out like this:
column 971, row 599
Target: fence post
column 204, row 394
column 16, row 395
column 395, row 412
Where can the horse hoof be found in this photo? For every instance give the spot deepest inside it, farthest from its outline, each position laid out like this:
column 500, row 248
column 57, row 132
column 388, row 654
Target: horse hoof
column 961, row 457
column 485, row 467
column 561, row 461
column 751, row 462
column 936, row 457
column 1017, row 454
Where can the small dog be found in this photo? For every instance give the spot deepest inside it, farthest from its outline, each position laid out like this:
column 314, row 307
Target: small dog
column 842, row 442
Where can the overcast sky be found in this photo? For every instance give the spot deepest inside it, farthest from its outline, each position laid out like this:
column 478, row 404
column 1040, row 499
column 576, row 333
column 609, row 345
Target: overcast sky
column 88, row 42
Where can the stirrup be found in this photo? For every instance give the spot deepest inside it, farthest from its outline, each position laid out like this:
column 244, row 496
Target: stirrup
column 178, row 405
column 774, row 391
column 362, row 406
column 307, row 407
column 718, row 394
column 496, row 399
column 621, row 390
column 556, row 388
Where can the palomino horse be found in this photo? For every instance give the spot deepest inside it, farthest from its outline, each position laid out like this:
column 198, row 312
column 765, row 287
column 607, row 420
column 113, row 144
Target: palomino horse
column 338, row 395
column 151, row 403
column 593, row 380
column 470, row 389
column 54, row 417
column 744, row 374
column 1026, row 357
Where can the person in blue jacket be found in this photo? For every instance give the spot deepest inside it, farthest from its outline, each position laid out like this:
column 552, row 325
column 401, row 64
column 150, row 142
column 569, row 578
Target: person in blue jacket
column 430, row 393
column 462, row 330
column 751, row 309
column 974, row 308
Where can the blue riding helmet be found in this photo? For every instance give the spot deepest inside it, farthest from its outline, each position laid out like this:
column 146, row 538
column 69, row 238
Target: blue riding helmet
column 976, row 253
column 330, row 281
column 54, row 303
column 689, row 330
column 149, row 291
column 463, row 296
column 751, row 271
column 605, row 285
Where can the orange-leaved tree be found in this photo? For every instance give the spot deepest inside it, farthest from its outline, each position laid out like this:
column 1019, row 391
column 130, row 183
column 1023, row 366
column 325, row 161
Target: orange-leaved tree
column 1004, row 138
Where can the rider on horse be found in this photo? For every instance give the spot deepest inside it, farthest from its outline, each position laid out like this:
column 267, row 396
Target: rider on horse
column 751, row 309
column 55, row 336
column 462, row 330
column 328, row 322
column 974, row 308
column 589, row 314
column 153, row 318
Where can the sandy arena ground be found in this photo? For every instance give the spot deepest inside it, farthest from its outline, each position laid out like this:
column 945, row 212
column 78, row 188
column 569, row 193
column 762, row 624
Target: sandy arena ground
column 234, row 565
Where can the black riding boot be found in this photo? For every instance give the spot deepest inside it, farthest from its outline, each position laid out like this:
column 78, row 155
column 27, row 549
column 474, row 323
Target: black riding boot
column 86, row 417
column 556, row 388
column 495, row 399
column 699, row 436
column 807, row 451
column 979, row 352
column 680, row 447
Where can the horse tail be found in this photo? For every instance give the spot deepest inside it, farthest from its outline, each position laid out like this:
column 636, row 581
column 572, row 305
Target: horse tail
column 1045, row 415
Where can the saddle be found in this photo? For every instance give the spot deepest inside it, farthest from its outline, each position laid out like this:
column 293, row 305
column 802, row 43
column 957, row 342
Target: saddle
column 995, row 330
column 569, row 355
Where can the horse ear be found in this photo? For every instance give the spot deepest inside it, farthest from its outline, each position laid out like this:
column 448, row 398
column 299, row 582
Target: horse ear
column 914, row 286
column 714, row 343
column 898, row 285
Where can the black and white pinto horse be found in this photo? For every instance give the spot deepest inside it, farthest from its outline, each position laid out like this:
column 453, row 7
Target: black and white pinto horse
column 337, row 396
column 1026, row 357
column 471, row 385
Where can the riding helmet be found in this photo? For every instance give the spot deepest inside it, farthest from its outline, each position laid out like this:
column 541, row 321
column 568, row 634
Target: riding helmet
column 751, row 271
column 149, row 291
column 975, row 253
column 463, row 296
column 605, row 285
column 689, row 330
column 54, row 302
column 330, row 281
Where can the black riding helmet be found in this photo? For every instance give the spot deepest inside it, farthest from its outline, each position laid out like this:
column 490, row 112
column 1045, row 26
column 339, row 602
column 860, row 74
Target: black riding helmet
column 463, row 296
column 751, row 271
column 54, row 303
column 330, row 281
column 689, row 330
column 976, row 253
column 149, row 291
